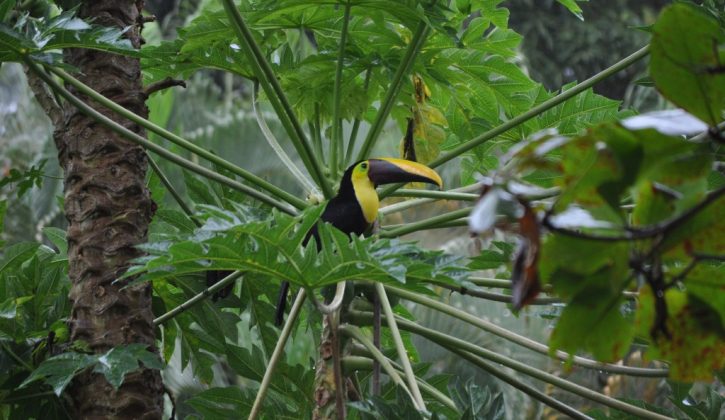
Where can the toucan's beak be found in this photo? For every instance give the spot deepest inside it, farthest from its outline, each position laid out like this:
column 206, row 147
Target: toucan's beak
column 391, row 170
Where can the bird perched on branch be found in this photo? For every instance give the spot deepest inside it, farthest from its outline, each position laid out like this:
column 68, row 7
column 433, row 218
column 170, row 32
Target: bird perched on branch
column 355, row 207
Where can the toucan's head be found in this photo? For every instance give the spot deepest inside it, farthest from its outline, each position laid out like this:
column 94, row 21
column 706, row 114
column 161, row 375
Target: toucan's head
column 363, row 176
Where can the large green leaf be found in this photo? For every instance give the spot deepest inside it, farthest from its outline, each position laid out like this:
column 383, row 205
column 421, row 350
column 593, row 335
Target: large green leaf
column 58, row 371
column 687, row 61
column 15, row 255
column 41, row 37
column 274, row 248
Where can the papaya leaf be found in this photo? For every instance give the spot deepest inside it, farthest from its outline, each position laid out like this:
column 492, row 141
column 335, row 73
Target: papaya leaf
column 41, row 37
column 219, row 403
column 274, row 247
column 58, row 371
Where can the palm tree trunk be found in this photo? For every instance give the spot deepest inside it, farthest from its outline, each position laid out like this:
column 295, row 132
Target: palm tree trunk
column 108, row 208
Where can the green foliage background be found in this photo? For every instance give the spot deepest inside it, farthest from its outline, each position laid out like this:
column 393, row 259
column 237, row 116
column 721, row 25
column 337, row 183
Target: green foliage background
column 481, row 73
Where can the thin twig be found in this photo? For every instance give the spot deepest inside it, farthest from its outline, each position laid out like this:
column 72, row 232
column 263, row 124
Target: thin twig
column 170, row 187
column 645, row 232
column 496, row 297
column 163, row 84
column 696, row 259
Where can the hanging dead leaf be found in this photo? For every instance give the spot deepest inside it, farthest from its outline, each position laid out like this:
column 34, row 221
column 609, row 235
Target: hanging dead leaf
column 425, row 131
column 525, row 273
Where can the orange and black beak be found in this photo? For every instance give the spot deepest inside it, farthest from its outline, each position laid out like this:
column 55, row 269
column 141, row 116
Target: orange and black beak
column 391, row 170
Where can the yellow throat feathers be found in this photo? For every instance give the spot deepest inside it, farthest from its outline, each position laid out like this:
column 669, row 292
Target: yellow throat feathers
column 366, row 195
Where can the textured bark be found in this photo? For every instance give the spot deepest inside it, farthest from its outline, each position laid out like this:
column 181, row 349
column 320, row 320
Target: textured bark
column 329, row 390
column 108, row 209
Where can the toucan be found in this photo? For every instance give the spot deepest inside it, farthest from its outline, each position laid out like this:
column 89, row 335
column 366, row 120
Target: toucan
column 355, row 207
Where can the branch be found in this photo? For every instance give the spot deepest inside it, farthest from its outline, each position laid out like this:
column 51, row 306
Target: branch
column 355, row 332
column 425, row 224
column 355, row 125
column 170, row 187
column 352, row 363
column 277, row 354
column 521, row 340
column 163, row 84
column 452, row 343
column 638, row 233
column 400, row 347
column 533, row 112
column 102, row 100
column 263, row 72
column 333, row 306
column 306, row 183
column 404, row 205
column 696, row 259
column 520, row 385
column 197, row 298
column 507, row 284
column 496, row 297
column 336, row 143
column 416, row 43
column 438, row 195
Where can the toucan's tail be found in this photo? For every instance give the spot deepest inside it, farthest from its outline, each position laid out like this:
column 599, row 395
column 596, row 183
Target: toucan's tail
column 213, row 277
column 281, row 303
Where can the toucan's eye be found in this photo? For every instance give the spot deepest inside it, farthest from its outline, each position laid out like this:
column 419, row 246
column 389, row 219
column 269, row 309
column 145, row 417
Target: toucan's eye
column 364, row 165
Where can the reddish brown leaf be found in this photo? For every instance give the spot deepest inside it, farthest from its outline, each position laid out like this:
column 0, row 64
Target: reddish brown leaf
column 525, row 275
